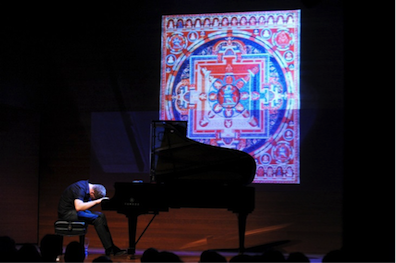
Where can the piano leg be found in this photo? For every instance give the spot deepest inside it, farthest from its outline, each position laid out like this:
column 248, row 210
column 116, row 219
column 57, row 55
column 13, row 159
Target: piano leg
column 132, row 223
column 241, row 231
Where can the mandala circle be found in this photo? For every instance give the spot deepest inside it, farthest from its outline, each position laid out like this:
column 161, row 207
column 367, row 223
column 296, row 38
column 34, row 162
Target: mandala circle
column 282, row 39
column 228, row 96
column 232, row 96
column 176, row 43
column 282, row 152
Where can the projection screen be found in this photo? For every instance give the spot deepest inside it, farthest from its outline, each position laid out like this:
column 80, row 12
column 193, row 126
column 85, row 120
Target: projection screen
column 234, row 77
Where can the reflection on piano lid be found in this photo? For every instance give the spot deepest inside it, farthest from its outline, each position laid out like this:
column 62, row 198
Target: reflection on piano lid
column 176, row 159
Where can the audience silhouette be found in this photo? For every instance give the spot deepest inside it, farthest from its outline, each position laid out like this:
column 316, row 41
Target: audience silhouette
column 50, row 248
column 74, row 252
column 150, row 255
column 211, row 256
column 297, row 257
column 242, row 258
column 336, row 255
column 167, row 256
column 273, row 255
column 7, row 249
column 28, row 253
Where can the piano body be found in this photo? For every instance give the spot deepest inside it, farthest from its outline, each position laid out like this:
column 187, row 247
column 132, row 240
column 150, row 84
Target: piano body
column 186, row 173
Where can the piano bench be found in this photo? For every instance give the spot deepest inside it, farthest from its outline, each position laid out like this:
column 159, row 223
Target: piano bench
column 71, row 228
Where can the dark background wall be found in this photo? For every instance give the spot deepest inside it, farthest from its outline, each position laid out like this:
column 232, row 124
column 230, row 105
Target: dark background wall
column 61, row 62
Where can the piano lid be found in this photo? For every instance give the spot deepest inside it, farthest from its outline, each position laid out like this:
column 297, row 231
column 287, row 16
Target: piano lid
column 176, row 159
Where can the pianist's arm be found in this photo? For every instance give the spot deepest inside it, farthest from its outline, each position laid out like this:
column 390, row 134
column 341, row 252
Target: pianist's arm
column 81, row 206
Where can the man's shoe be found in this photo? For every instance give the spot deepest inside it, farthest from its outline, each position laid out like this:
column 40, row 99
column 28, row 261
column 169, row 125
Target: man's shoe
column 116, row 251
column 109, row 251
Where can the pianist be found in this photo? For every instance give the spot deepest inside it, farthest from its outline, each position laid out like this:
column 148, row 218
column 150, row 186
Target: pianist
column 75, row 203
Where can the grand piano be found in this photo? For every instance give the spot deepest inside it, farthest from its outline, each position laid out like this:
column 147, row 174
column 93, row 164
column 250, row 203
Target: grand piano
column 186, row 173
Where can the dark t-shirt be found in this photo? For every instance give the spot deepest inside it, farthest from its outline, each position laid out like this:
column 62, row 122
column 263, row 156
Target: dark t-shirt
column 78, row 190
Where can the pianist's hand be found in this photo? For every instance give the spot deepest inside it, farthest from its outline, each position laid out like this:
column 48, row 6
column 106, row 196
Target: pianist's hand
column 101, row 199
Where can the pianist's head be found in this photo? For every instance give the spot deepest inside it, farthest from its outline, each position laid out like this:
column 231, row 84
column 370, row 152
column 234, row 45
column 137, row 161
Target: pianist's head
column 96, row 191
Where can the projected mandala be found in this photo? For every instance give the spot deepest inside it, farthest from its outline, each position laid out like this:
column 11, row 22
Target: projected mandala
column 235, row 78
